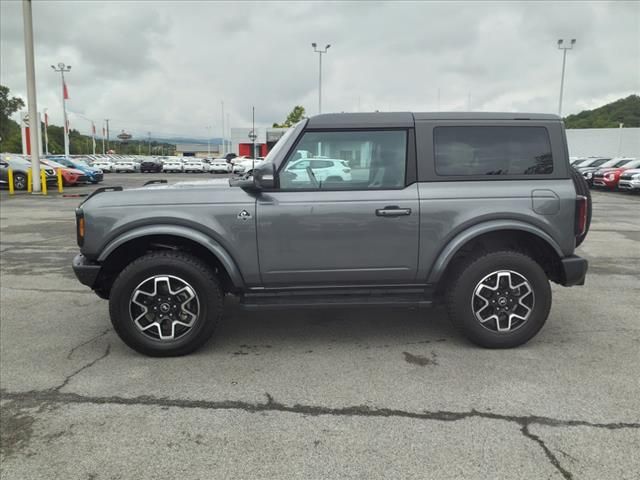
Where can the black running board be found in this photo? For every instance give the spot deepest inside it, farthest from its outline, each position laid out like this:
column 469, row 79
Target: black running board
column 342, row 299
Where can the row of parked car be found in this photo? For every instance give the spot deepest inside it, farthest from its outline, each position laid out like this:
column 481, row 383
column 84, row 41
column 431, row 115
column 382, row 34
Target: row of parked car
column 229, row 164
column 609, row 173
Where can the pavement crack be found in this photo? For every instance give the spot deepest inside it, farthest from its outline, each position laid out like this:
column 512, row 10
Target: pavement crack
column 547, row 451
column 92, row 339
column 81, row 369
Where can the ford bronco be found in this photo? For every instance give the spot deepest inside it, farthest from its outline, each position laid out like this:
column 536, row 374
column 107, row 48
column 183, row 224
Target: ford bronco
column 477, row 211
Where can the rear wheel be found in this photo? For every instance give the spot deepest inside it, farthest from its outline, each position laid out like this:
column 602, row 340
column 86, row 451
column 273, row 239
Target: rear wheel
column 165, row 304
column 499, row 300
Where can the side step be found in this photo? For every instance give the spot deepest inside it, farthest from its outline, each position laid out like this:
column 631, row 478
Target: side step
column 335, row 299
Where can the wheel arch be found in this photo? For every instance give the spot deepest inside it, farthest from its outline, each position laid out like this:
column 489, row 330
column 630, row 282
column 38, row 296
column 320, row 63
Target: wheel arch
column 514, row 235
column 134, row 243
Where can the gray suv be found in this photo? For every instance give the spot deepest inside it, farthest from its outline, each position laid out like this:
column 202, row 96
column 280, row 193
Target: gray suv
column 478, row 211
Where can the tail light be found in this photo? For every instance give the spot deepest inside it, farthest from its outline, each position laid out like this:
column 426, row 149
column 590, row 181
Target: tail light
column 581, row 215
column 79, row 226
column 346, row 170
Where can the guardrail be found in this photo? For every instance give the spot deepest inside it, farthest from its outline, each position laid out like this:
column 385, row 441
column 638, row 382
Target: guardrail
column 43, row 181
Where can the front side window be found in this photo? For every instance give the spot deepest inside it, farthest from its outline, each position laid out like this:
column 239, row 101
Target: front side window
column 350, row 160
column 480, row 151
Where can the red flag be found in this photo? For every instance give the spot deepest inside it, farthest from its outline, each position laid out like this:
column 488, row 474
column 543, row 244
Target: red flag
column 46, row 119
column 65, row 92
column 93, row 127
column 103, row 132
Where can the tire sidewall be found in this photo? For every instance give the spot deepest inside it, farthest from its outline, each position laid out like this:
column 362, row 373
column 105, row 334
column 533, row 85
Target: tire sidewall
column 474, row 273
column 22, row 185
column 206, row 289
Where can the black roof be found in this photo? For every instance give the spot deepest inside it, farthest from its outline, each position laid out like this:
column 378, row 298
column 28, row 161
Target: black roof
column 407, row 119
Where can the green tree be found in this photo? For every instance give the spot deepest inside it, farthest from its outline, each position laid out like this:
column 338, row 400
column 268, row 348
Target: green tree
column 294, row 117
column 625, row 110
column 9, row 130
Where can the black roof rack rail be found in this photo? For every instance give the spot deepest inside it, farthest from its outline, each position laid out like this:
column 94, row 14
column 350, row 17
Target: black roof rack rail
column 101, row 190
column 151, row 182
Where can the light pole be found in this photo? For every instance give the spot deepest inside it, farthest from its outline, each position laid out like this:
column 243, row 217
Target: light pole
column 208, row 127
column 564, row 47
column 149, row 141
column 320, row 52
column 62, row 68
column 32, row 103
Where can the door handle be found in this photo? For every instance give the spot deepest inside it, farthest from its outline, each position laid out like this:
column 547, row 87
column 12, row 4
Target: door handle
column 392, row 211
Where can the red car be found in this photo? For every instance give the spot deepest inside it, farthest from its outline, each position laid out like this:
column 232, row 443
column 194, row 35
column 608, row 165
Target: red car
column 609, row 177
column 70, row 176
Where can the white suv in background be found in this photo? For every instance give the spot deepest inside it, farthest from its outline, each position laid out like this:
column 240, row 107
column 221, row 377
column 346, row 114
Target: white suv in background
column 125, row 166
column 172, row 165
column 195, row 166
column 323, row 169
column 219, row 165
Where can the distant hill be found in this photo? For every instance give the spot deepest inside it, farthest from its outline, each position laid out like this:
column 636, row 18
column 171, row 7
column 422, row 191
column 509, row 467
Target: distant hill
column 625, row 110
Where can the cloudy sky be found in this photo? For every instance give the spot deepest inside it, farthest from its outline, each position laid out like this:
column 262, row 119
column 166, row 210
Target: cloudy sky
column 165, row 66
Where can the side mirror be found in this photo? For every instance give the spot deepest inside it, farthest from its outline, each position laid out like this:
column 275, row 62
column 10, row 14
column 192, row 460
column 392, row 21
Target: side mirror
column 3, row 164
column 264, row 176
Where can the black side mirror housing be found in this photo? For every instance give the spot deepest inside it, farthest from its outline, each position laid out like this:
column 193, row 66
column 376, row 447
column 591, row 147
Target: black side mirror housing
column 262, row 178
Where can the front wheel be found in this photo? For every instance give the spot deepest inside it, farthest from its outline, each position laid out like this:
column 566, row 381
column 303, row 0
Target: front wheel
column 165, row 304
column 19, row 181
column 499, row 300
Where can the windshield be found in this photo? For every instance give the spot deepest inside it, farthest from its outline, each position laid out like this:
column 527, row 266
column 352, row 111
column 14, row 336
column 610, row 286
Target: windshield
column 273, row 153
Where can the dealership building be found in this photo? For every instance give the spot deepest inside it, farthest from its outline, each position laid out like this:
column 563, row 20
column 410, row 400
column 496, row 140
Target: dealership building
column 265, row 139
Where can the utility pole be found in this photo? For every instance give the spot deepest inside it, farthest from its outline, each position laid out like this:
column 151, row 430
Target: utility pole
column 107, row 122
column 149, row 141
column 46, row 135
column 34, row 121
column 320, row 52
column 222, row 130
column 564, row 48
column 103, row 131
column 62, row 68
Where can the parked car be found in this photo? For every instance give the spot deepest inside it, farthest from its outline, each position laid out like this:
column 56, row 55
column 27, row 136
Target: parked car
column 151, row 165
column 172, row 166
column 196, row 166
column 587, row 172
column 219, row 165
column 107, row 166
column 70, row 176
column 94, row 175
column 592, row 162
column 20, row 166
column 324, row 170
column 630, row 180
column 126, row 166
column 609, row 177
column 415, row 227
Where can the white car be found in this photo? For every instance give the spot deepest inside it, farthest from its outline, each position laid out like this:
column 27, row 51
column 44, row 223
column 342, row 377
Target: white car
column 104, row 165
column 195, row 166
column 125, row 166
column 219, row 165
column 323, row 169
column 172, row 166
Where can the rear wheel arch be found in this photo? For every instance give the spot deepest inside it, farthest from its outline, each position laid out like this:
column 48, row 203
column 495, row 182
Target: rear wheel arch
column 525, row 239
column 122, row 251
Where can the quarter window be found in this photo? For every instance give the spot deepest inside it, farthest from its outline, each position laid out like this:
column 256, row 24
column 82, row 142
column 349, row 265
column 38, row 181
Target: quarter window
column 349, row 160
column 480, row 151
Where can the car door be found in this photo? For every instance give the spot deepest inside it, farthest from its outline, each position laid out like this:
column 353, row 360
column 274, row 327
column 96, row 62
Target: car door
column 361, row 231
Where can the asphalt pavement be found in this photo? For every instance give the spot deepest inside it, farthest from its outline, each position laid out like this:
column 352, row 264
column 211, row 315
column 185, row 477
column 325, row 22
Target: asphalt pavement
column 366, row 393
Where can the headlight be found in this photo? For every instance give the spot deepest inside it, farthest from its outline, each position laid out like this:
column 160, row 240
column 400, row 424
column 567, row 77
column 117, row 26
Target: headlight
column 610, row 176
column 636, row 176
column 588, row 175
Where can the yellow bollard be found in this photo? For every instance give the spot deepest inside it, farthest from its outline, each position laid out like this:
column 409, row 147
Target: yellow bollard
column 60, row 190
column 29, row 180
column 10, row 180
column 43, row 182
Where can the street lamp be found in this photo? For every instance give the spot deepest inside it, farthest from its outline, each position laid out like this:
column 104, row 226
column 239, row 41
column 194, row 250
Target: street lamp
column 208, row 127
column 320, row 52
column 564, row 47
column 62, row 68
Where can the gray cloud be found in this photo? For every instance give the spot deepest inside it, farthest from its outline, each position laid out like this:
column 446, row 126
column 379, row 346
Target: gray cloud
column 165, row 66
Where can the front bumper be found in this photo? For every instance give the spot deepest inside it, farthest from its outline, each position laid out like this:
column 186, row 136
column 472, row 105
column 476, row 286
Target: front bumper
column 86, row 272
column 574, row 270
column 629, row 185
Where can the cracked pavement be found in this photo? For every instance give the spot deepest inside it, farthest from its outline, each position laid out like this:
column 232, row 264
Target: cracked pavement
column 371, row 393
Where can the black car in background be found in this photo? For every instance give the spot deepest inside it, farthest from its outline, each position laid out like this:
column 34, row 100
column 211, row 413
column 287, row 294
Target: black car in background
column 151, row 165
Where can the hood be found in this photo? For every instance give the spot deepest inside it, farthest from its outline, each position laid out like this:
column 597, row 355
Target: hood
column 631, row 171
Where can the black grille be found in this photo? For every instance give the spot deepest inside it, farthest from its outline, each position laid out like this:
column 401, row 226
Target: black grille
column 626, row 177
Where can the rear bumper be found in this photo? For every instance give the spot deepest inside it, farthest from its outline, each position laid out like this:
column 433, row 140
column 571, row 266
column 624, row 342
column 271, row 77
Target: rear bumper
column 574, row 270
column 85, row 271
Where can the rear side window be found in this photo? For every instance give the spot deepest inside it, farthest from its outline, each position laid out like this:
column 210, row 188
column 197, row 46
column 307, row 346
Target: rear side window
column 480, row 151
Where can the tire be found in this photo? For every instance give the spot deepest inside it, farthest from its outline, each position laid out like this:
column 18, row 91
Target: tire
column 142, row 274
column 582, row 188
column 19, row 181
column 463, row 305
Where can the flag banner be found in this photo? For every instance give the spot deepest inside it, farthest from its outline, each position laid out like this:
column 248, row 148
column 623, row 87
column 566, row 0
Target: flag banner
column 93, row 128
column 46, row 120
column 65, row 92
